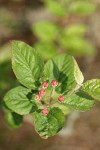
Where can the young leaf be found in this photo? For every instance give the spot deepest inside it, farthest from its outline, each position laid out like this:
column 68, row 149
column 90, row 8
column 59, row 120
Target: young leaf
column 76, row 45
column 79, row 78
column 82, row 7
column 79, row 101
column 48, row 125
column 65, row 70
column 14, row 120
column 45, row 30
column 75, row 30
column 26, row 64
column 18, row 100
column 46, row 50
column 92, row 87
column 55, row 7
column 66, row 110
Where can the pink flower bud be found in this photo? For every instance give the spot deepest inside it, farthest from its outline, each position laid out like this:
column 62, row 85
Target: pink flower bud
column 60, row 98
column 54, row 82
column 45, row 84
column 42, row 92
column 37, row 97
column 45, row 111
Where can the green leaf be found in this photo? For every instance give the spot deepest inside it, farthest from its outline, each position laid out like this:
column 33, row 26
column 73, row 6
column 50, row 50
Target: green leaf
column 82, row 7
column 26, row 64
column 50, row 124
column 76, row 45
column 79, row 78
column 18, row 100
column 92, row 87
column 64, row 69
column 45, row 30
column 79, row 101
column 66, row 110
column 46, row 50
column 75, row 30
column 55, row 7
column 14, row 120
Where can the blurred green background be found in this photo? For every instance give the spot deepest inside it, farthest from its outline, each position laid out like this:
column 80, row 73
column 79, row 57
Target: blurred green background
column 52, row 27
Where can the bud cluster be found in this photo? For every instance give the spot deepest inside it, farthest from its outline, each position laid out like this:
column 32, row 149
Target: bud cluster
column 42, row 92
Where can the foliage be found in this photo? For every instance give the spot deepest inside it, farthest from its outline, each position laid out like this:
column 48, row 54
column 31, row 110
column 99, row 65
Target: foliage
column 13, row 119
column 63, row 78
column 46, row 49
column 55, row 37
column 70, row 38
column 63, row 7
column 82, row 7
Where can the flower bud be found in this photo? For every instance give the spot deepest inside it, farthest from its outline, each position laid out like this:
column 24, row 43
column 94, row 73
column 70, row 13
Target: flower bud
column 45, row 84
column 54, row 82
column 45, row 111
column 42, row 92
column 37, row 97
column 60, row 98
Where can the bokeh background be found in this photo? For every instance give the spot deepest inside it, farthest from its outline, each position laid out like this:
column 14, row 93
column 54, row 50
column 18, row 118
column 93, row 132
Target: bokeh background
column 52, row 27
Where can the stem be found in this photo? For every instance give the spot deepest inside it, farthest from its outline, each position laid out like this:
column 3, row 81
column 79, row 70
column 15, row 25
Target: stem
column 52, row 92
column 51, row 95
column 73, row 90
